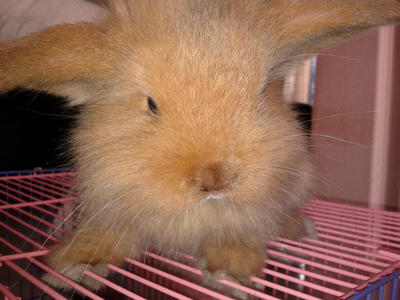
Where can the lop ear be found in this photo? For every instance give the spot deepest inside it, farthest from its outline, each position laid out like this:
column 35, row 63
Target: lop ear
column 68, row 60
column 302, row 28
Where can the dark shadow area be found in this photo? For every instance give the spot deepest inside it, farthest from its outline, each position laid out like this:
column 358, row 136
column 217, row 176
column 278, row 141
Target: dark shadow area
column 304, row 115
column 34, row 129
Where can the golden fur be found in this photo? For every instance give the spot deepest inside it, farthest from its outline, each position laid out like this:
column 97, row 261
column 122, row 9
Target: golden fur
column 223, row 165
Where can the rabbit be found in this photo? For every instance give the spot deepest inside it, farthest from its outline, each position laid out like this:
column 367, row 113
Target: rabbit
column 184, row 142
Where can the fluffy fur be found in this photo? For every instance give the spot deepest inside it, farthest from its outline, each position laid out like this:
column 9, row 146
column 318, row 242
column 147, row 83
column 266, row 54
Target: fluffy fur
column 222, row 165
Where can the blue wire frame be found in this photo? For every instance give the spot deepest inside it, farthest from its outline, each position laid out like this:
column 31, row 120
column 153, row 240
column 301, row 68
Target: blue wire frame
column 379, row 286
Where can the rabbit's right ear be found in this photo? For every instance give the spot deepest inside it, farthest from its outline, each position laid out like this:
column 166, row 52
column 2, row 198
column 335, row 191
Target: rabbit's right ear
column 67, row 60
column 299, row 29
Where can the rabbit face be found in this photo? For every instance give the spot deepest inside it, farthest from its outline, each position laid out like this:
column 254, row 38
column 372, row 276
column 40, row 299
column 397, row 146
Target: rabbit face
column 193, row 132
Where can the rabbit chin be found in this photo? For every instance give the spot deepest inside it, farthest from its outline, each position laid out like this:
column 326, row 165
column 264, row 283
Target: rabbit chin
column 213, row 218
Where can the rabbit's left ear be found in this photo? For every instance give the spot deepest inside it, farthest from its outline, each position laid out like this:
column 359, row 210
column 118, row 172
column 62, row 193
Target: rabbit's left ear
column 66, row 60
column 302, row 28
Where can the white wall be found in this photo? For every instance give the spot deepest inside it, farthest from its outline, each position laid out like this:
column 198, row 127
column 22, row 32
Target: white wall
column 21, row 17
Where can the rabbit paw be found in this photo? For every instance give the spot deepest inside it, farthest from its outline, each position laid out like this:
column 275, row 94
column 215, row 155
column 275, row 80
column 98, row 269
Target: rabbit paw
column 210, row 279
column 76, row 273
column 309, row 229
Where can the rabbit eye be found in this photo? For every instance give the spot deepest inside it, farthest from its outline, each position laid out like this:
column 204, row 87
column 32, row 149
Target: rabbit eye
column 152, row 105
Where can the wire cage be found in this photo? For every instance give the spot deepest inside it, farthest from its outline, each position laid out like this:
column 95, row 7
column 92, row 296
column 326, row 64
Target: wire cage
column 356, row 254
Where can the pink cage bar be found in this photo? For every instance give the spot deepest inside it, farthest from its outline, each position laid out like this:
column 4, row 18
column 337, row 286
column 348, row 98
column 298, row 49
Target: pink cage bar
column 356, row 254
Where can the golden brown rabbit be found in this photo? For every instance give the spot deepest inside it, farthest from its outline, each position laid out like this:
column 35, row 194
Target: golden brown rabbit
column 184, row 143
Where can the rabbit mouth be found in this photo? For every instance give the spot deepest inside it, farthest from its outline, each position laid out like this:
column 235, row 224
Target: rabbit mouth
column 212, row 197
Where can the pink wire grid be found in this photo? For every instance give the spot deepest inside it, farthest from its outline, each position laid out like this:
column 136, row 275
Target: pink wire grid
column 355, row 248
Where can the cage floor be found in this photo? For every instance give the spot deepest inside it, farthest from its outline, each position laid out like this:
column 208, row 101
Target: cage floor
column 356, row 254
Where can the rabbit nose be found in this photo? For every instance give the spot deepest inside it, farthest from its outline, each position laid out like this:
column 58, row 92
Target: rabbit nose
column 215, row 177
